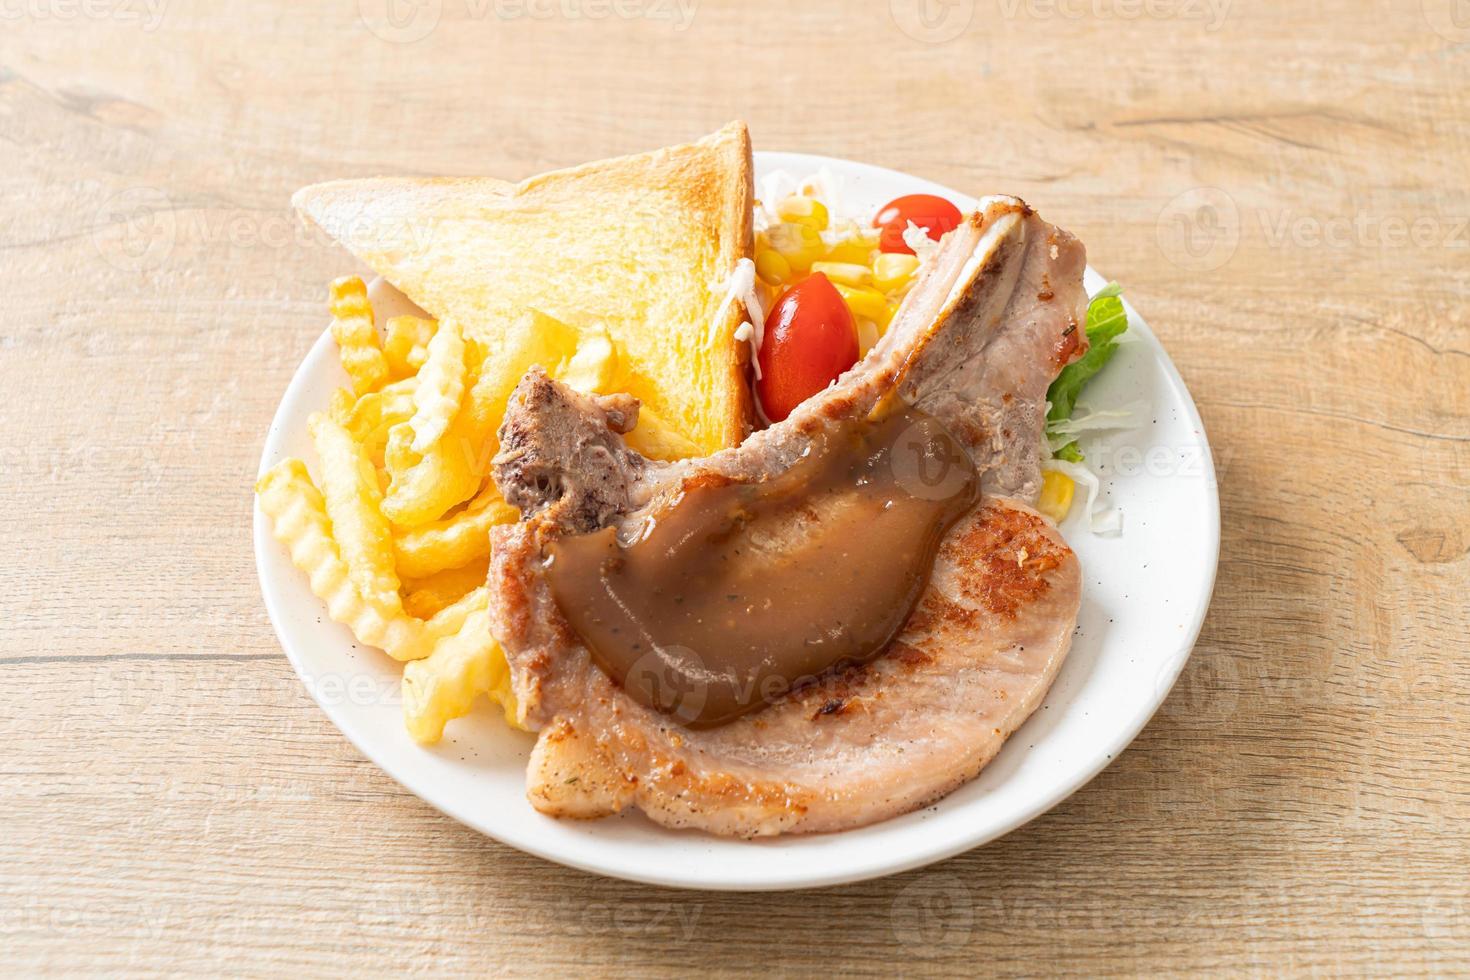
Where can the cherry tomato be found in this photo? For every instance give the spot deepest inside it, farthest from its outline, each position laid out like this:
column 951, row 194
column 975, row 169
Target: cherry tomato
column 924, row 210
column 810, row 339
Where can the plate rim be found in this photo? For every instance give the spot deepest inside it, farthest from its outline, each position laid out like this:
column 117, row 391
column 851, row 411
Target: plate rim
column 959, row 843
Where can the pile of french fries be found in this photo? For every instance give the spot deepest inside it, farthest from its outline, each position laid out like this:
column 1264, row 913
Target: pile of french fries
column 395, row 538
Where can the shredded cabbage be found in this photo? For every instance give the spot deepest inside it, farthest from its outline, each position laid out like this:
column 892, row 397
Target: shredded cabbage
column 774, row 186
column 824, row 185
column 1062, row 431
column 740, row 285
column 1100, row 520
column 1107, row 322
column 917, row 238
column 844, row 230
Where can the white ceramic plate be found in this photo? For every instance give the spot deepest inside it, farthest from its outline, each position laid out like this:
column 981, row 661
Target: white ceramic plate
column 1144, row 599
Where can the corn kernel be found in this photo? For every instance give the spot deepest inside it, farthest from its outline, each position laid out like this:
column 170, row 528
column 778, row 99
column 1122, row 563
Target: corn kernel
column 854, row 250
column 883, row 321
column 1056, row 495
column 893, row 270
column 864, row 303
column 772, row 267
column 854, row 243
column 799, row 245
column 867, row 336
column 802, row 210
column 847, row 273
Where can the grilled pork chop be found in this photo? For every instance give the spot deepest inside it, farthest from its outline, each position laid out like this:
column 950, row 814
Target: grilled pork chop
column 993, row 318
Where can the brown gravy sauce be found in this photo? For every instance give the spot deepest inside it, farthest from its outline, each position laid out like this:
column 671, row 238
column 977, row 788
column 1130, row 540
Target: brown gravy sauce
column 737, row 592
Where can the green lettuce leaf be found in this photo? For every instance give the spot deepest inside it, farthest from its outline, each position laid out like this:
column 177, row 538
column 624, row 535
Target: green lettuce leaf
column 1106, row 320
column 1070, row 453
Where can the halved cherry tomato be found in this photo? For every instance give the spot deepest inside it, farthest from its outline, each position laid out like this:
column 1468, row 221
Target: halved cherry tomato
column 924, row 210
column 810, row 339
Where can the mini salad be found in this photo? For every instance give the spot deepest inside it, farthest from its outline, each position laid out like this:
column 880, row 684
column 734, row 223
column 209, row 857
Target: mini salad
column 832, row 286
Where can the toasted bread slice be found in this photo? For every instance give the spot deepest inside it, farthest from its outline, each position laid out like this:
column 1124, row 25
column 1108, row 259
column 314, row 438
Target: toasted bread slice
column 640, row 243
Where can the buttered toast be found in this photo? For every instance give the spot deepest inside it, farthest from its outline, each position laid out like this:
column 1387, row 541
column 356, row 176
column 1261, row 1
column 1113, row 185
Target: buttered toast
column 641, row 244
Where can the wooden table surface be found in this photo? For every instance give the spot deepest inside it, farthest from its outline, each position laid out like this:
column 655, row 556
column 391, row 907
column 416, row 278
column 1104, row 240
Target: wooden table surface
column 1282, row 188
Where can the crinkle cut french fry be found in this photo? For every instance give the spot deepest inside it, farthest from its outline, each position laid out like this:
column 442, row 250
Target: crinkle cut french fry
column 425, row 487
column 376, row 446
column 426, row 596
column 342, row 404
column 364, row 414
column 454, row 541
column 440, row 390
column 449, row 620
column 398, row 456
column 370, row 418
column 299, row 520
column 503, row 693
column 455, row 466
column 353, row 498
column 406, row 343
column 442, row 686
column 357, row 339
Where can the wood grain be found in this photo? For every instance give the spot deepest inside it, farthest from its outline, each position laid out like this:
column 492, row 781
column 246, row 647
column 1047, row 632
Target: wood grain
column 1283, row 191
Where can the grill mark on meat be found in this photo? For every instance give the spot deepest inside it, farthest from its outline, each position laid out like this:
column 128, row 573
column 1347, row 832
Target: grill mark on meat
column 858, row 744
column 701, row 481
column 910, row 655
column 936, row 613
column 1072, row 345
column 1016, row 554
column 832, row 707
column 836, row 408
